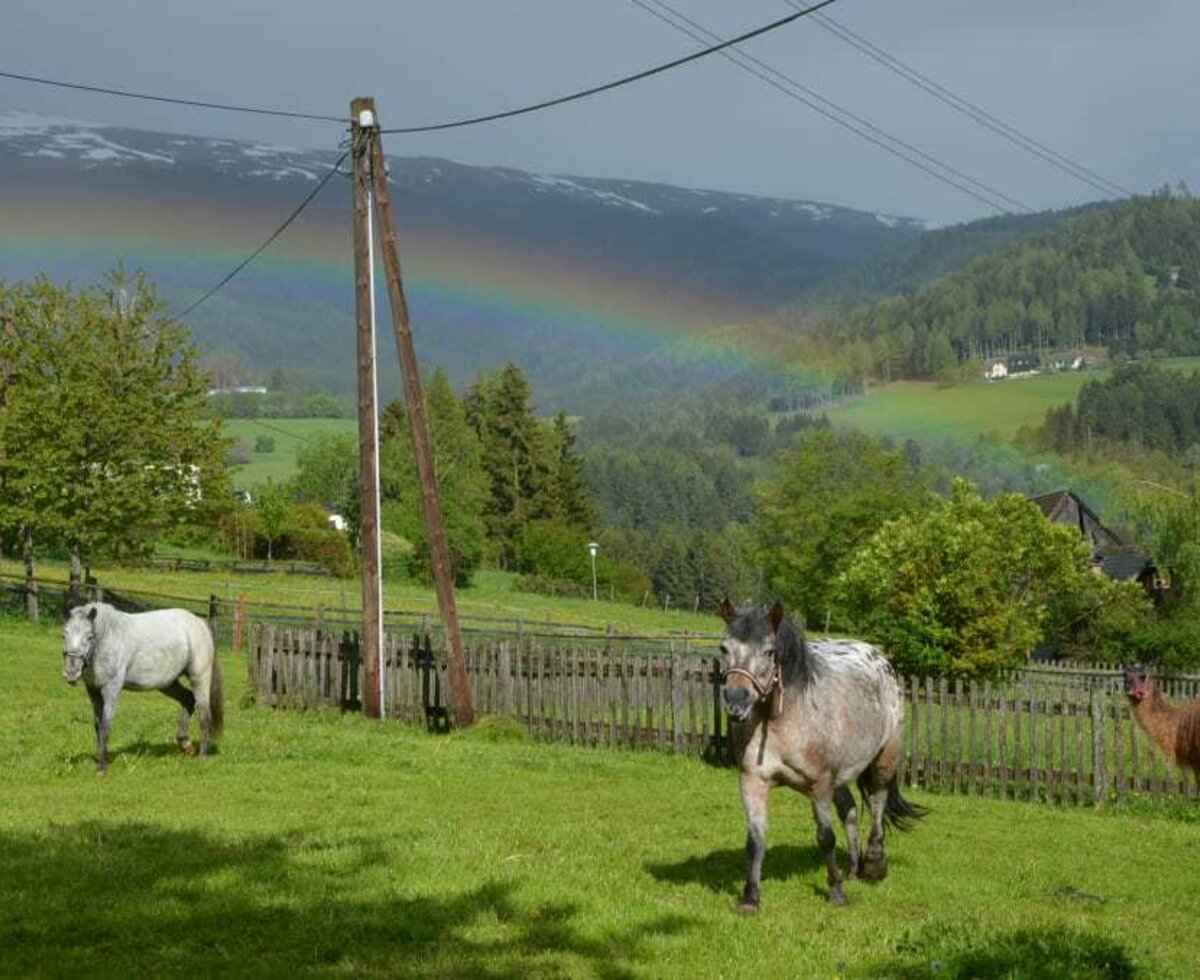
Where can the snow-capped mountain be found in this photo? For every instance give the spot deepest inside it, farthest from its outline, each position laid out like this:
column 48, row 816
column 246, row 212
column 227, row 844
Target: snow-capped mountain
column 505, row 264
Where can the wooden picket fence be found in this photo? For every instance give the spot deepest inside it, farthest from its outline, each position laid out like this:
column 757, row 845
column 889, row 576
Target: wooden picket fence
column 1044, row 733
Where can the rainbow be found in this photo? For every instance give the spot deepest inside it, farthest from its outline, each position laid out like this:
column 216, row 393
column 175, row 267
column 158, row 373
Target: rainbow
column 451, row 276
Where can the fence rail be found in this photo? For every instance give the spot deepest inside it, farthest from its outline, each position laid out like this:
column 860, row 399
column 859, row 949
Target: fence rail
column 224, row 613
column 1025, row 736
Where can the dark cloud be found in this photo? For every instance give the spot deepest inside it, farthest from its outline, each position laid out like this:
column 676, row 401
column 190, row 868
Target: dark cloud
column 1108, row 83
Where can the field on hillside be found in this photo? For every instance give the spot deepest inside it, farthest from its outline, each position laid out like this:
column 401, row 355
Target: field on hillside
column 924, row 410
column 494, row 594
column 289, row 436
column 322, row 844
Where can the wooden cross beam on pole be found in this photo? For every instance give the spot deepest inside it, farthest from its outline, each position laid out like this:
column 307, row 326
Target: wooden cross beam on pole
column 460, row 692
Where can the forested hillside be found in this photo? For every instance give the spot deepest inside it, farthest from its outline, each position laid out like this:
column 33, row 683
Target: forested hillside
column 904, row 267
column 1144, row 406
column 1123, row 278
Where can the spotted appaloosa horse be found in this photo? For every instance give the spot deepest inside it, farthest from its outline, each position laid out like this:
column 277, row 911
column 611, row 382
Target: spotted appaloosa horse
column 815, row 717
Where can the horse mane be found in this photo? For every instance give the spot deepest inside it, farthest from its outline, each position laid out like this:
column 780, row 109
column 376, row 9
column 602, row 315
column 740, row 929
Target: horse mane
column 791, row 650
column 791, row 653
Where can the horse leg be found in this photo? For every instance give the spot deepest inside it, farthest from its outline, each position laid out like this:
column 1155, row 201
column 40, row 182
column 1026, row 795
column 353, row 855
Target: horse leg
column 187, row 701
column 106, row 698
column 97, row 700
column 873, row 866
column 843, row 799
column 200, row 689
column 754, row 799
column 822, row 804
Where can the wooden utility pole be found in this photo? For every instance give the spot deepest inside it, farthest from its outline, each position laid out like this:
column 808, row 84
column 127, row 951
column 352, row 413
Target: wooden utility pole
column 460, row 692
column 363, row 132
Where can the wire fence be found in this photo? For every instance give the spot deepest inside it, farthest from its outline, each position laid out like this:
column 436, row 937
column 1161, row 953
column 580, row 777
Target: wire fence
column 224, row 613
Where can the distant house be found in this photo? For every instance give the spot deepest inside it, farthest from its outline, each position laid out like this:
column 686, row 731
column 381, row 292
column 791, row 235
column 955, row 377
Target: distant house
column 1112, row 553
column 237, row 390
column 1065, row 507
column 1010, row 366
column 1066, row 361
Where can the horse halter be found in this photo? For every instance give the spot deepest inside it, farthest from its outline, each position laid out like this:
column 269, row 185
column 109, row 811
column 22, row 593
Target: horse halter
column 773, row 684
column 86, row 656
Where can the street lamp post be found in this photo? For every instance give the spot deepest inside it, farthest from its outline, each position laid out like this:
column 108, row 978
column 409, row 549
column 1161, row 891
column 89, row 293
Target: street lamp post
column 592, row 549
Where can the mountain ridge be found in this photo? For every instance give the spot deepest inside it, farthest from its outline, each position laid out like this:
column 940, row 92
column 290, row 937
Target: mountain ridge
column 554, row 271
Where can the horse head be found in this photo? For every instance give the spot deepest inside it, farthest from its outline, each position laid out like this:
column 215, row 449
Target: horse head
column 79, row 642
column 1138, row 684
column 750, row 651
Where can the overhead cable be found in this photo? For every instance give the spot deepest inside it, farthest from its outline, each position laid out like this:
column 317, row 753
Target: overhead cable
column 617, row 83
column 1060, row 161
column 147, row 97
column 864, row 128
column 265, row 245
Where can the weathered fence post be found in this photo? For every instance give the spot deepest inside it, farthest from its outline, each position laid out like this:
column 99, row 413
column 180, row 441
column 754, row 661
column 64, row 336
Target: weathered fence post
column 239, row 624
column 504, row 681
column 677, row 703
column 1099, row 775
column 214, row 608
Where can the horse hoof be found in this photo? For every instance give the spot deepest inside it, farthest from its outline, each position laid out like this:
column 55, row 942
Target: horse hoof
column 188, row 748
column 748, row 908
column 836, row 897
column 873, row 870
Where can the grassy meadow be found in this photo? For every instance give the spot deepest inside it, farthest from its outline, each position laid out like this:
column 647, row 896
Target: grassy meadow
column 922, row 410
column 925, row 410
column 321, row 844
column 289, row 436
column 493, row 595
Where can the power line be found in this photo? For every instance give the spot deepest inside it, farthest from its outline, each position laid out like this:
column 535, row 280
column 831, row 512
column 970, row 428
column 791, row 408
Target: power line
column 794, row 89
column 275, row 234
column 617, row 83
column 147, row 97
column 975, row 112
column 283, row 432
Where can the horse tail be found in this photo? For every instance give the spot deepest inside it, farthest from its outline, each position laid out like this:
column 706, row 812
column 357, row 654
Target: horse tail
column 216, row 698
column 898, row 812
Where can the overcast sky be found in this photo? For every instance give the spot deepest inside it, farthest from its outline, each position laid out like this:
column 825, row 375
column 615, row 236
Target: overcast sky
column 1112, row 85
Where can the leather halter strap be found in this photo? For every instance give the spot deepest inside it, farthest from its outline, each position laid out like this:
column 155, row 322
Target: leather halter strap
column 772, row 685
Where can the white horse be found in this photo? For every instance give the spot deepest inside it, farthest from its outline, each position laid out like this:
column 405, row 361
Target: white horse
column 147, row 651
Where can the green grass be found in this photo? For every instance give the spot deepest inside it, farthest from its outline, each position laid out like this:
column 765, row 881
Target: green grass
column 325, row 845
column 289, row 435
column 924, row 410
column 494, row 594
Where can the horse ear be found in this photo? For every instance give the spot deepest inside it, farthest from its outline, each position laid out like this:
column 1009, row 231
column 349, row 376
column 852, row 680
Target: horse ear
column 727, row 610
column 776, row 615
column 92, row 614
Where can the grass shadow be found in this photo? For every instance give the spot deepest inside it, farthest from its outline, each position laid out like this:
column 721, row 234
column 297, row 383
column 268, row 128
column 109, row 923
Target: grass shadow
column 112, row 898
column 140, row 749
column 724, row 871
column 1031, row 954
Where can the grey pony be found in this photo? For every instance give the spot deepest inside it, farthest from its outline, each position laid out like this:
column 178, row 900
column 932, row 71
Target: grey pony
column 815, row 717
column 111, row 650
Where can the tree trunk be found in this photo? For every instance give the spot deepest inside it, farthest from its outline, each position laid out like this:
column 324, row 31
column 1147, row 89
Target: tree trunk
column 31, row 586
column 75, row 586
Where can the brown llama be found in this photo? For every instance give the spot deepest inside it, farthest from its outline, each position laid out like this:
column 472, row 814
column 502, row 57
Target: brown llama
column 1173, row 728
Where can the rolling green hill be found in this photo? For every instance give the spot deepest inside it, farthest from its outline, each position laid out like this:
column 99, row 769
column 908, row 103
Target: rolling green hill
column 924, row 410
column 289, row 436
